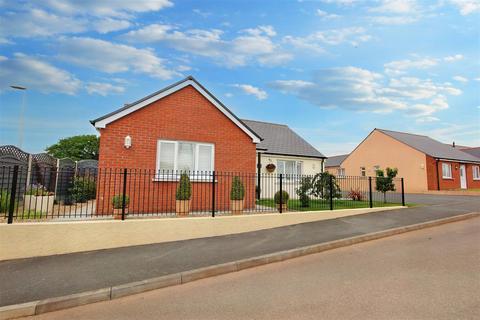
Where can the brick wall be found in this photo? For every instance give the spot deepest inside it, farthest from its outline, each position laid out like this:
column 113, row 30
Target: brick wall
column 447, row 184
column 184, row 115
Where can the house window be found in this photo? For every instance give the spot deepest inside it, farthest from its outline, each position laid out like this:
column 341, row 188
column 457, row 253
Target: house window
column 476, row 172
column 341, row 172
column 184, row 156
column 363, row 172
column 289, row 167
column 446, row 170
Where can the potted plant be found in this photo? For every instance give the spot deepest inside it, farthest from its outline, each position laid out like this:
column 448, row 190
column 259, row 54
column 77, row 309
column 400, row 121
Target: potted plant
column 184, row 192
column 237, row 193
column 117, row 203
column 38, row 198
column 283, row 201
column 270, row 167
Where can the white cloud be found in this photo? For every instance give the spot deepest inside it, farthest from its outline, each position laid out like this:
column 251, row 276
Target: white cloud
column 103, row 88
column 455, row 57
column 36, row 22
column 106, row 8
column 359, row 89
column 394, row 20
column 36, row 74
column 111, row 57
column 396, row 6
column 460, row 79
column 251, row 90
column 317, row 41
column 401, row 66
column 326, row 15
column 466, row 7
column 252, row 45
column 107, row 25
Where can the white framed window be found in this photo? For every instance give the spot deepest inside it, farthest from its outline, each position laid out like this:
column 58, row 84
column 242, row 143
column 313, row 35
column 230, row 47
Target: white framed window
column 341, row 172
column 476, row 172
column 363, row 171
column 446, row 170
column 289, row 167
column 184, row 156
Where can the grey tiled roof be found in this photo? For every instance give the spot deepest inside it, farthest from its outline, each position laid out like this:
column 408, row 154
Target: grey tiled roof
column 430, row 146
column 280, row 139
column 473, row 151
column 335, row 161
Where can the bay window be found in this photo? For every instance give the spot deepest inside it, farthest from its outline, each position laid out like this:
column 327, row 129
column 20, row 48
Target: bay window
column 184, row 156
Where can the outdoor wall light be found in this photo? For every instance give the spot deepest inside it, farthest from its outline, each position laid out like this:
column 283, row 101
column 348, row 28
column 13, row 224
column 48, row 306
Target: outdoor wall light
column 128, row 142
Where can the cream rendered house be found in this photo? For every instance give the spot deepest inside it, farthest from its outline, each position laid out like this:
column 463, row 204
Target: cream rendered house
column 288, row 152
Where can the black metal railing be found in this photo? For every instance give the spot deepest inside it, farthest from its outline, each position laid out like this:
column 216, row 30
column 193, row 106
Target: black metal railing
column 124, row 193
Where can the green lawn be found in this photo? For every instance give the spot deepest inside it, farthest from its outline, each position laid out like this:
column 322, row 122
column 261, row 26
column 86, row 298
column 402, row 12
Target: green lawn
column 325, row 204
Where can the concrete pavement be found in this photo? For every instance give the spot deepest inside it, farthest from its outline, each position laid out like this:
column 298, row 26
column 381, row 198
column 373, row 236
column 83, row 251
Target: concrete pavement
column 428, row 274
column 32, row 279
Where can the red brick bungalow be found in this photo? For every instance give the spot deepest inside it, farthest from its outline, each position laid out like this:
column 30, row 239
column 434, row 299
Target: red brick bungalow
column 181, row 127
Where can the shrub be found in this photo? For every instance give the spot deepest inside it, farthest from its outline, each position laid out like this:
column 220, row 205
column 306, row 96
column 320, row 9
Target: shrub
column 285, row 197
column 304, row 191
column 184, row 190
column 117, row 201
column 37, row 190
column 83, row 189
column 4, row 201
column 355, row 195
column 238, row 190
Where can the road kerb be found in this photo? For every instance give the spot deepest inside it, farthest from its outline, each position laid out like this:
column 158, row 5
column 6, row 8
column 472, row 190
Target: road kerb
column 74, row 300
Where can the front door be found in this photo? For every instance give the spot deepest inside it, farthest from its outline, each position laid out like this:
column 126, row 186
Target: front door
column 463, row 177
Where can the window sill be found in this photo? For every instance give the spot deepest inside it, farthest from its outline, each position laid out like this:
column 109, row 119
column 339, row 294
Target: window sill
column 447, row 178
column 476, row 179
column 176, row 179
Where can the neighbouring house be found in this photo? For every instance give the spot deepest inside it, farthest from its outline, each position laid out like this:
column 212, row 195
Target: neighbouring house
column 183, row 127
column 425, row 163
column 333, row 165
column 282, row 151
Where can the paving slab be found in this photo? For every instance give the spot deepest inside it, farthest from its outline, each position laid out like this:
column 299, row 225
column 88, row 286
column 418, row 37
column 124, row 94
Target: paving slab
column 26, row 280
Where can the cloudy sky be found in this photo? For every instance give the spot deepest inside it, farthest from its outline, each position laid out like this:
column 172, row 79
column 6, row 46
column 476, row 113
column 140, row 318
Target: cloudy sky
column 331, row 69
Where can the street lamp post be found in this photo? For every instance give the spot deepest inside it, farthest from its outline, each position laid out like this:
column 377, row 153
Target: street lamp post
column 21, row 123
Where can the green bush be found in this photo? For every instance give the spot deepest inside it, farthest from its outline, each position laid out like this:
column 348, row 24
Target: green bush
column 238, row 190
column 304, row 192
column 385, row 183
column 285, row 197
column 184, row 190
column 117, row 201
column 83, row 189
column 4, row 201
column 321, row 186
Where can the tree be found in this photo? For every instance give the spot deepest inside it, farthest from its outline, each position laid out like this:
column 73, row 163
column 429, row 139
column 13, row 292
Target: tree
column 321, row 186
column 385, row 183
column 304, row 191
column 82, row 147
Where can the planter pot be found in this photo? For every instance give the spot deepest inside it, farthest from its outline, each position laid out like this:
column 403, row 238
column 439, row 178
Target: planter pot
column 182, row 207
column 117, row 213
column 236, row 206
column 284, row 207
column 39, row 203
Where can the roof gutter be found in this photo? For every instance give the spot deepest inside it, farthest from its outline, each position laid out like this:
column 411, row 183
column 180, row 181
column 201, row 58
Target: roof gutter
column 457, row 160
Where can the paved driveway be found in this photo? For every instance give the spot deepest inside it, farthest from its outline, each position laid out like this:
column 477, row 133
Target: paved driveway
column 428, row 274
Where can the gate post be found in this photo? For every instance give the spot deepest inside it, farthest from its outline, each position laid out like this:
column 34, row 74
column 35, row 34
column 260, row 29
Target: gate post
column 331, row 191
column 124, row 196
column 281, row 193
column 213, row 194
column 370, row 200
column 13, row 192
column 403, row 193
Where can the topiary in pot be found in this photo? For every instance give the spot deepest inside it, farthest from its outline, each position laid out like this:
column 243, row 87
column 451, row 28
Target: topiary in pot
column 184, row 192
column 117, row 203
column 285, row 196
column 237, row 194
